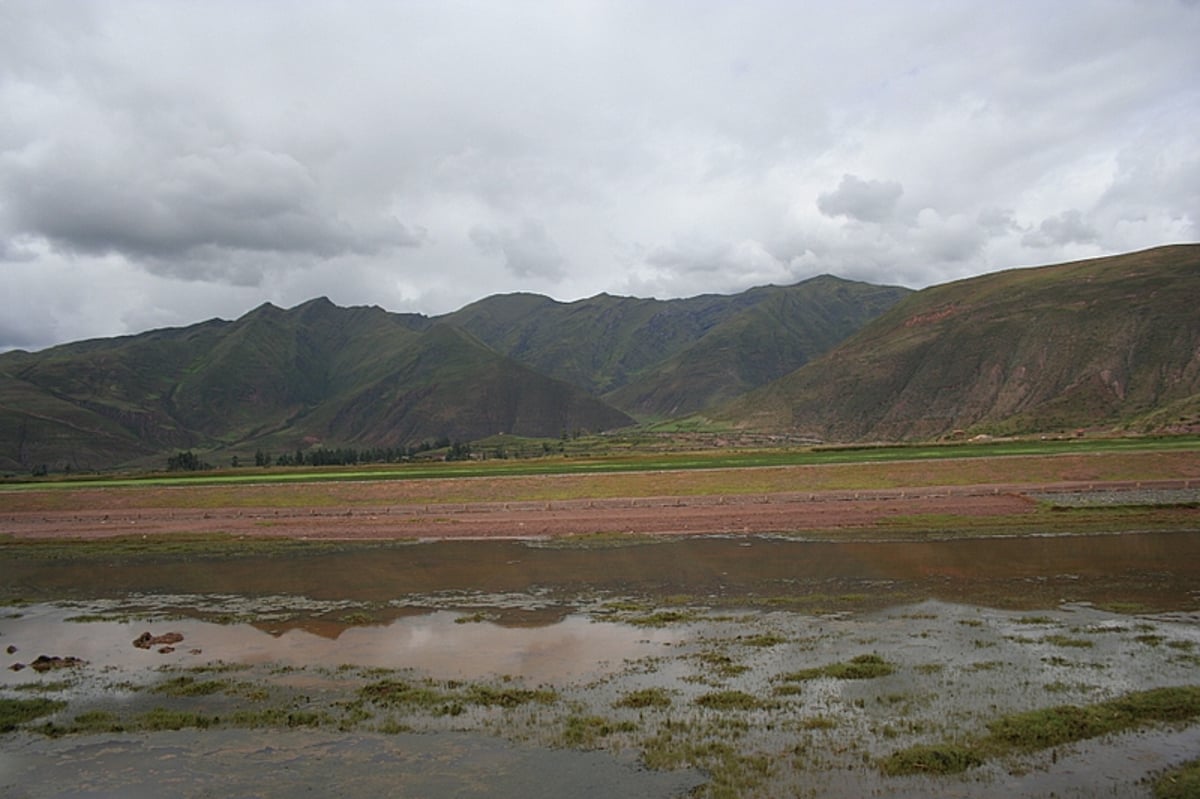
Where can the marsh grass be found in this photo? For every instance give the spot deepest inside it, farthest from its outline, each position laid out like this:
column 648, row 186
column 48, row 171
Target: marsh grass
column 730, row 700
column 861, row 667
column 1181, row 782
column 662, row 618
column 1067, row 641
column 161, row 718
column 189, row 686
column 14, row 712
column 930, row 759
column 1035, row 730
column 657, row 698
column 732, row 773
column 452, row 698
column 45, row 687
column 585, row 732
column 722, row 665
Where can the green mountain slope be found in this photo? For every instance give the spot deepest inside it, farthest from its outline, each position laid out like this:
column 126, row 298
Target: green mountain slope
column 655, row 358
column 782, row 330
column 1108, row 342
column 314, row 374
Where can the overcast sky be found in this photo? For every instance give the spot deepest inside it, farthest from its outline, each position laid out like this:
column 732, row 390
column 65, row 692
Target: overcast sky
column 165, row 162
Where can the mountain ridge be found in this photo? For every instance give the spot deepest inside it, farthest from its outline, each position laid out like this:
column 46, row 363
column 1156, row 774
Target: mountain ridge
column 318, row 374
column 1102, row 342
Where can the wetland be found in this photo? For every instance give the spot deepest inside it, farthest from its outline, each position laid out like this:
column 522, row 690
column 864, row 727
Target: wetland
column 750, row 665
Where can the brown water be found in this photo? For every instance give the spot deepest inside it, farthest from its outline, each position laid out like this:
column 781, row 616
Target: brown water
column 1160, row 569
column 975, row 629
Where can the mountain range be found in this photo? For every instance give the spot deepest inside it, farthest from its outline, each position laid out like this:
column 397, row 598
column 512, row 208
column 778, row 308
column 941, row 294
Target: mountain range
column 318, row 375
column 1105, row 343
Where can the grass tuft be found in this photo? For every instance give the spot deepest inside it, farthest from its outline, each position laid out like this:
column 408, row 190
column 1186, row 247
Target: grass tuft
column 935, row 760
column 862, row 667
column 19, row 711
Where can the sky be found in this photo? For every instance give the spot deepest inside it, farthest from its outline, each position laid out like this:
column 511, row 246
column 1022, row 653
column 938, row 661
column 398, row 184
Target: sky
column 166, row 162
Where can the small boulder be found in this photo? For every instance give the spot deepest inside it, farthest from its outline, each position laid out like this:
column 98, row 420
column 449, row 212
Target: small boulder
column 146, row 640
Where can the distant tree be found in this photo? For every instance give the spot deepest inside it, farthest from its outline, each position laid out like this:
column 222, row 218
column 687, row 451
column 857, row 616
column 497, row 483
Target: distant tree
column 234, row 461
column 186, row 462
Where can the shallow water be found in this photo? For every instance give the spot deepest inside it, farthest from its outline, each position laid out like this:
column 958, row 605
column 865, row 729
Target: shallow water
column 441, row 643
column 249, row 764
column 1162, row 568
column 975, row 629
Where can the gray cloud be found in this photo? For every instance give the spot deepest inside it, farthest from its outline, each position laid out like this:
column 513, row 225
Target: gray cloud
column 164, row 162
column 864, row 200
column 527, row 251
column 176, row 209
column 1068, row 227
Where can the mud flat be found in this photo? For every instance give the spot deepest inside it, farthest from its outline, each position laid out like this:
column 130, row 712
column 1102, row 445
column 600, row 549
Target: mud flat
column 745, row 665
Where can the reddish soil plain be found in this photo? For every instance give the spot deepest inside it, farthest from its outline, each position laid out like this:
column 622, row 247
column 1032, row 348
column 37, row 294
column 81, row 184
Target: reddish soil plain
column 877, row 500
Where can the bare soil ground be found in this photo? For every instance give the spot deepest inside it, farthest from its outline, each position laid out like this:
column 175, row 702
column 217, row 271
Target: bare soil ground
column 149, row 512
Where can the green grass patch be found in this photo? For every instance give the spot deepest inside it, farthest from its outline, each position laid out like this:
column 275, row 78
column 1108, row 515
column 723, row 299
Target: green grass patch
column 164, row 719
column 452, row 699
column 722, row 665
column 861, row 667
column 189, row 686
column 1044, row 728
column 18, row 711
column 585, row 732
column 1068, row 641
column 729, row 700
column 732, row 774
column 657, row 698
column 662, row 618
column 1039, row 729
column 635, row 461
column 938, row 759
column 1181, row 782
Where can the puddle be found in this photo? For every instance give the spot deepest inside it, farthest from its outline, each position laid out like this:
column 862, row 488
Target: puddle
column 437, row 643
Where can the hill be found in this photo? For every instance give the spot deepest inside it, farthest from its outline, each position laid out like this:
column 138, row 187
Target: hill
column 320, row 375
column 275, row 379
column 1105, row 343
column 658, row 358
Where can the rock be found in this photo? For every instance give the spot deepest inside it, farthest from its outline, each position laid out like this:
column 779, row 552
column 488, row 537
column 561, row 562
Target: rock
column 11, row 649
column 146, row 640
column 51, row 663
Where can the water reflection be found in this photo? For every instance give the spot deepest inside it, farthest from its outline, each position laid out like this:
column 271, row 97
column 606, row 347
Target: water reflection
column 437, row 644
column 1159, row 569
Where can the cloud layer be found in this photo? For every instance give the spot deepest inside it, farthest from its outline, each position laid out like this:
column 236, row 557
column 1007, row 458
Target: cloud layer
column 161, row 163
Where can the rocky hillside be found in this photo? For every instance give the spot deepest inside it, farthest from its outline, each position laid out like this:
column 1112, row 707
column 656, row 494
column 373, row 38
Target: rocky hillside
column 1105, row 343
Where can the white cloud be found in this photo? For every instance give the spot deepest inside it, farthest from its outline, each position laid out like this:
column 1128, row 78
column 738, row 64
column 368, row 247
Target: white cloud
column 419, row 156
